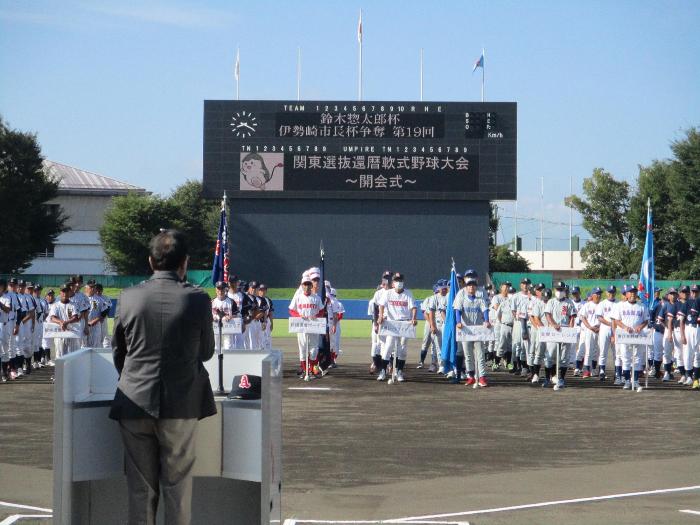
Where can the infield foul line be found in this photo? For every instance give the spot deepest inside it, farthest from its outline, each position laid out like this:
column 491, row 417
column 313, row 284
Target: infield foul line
column 291, row 521
column 26, row 507
column 16, row 517
column 546, row 504
column 687, row 511
column 319, row 388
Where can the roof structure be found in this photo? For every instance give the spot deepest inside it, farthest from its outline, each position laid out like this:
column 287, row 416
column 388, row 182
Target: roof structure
column 75, row 181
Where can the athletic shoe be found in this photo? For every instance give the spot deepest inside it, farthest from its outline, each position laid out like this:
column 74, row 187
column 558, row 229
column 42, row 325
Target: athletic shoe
column 20, row 373
column 618, row 381
column 419, row 366
column 535, row 379
column 696, row 385
column 689, row 381
column 546, row 383
column 450, row 374
column 50, row 363
column 441, row 370
column 381, row 376
column 483, row 382
column 681, row 381
column 510, row 366
column 524, row 372
column 399, row 376
column 601, row 376
column 470, row 381
column 432, row 368
column 667, row 377
column 529, row 376
column 561, row 383
column 3, row 379
column 43, row 361
column 13, row 375
column 586, row 374
column 635, row 385
column 494, row 367
column 594, row 372
column 627, row 385
column 577, row 372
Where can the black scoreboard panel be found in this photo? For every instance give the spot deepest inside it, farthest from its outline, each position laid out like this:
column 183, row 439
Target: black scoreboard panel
column 360, row 150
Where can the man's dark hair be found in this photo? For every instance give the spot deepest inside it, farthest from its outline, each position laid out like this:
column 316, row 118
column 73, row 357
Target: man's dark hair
column 168, row 250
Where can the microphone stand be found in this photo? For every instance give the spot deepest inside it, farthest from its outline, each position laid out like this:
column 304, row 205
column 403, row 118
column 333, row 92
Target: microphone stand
column 221, row 391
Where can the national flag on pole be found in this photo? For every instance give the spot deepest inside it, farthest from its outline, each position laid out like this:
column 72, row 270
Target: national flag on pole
column 359, row 28
column 219, row 270
column 449, row 335
column 646, row 275
column 237, row 69
column 479, row 62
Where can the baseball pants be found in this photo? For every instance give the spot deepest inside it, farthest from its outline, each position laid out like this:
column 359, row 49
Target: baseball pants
column 94, row 338
column 519, row 340
column 605, row 345
column 5, row 336
column 393, row 344
column 590, row 347
column 538, row 349
column 308, row 345
column 24, row 340
column 658, row 348
column 253, row 336
column 474, row 357
column 690, row 348
column 504, row 339
column 672, row 348
column 554, row 349
column 630, row 354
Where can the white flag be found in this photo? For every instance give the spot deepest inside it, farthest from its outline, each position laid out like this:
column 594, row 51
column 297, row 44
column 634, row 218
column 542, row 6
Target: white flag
column 237, row 70
column 359, row 28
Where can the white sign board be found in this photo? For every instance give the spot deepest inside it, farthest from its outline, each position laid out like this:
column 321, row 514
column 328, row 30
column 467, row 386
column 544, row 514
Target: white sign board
column 234, row 326
column 475, row 333
column 645, row 337
column 299, row 325
column 398, row 329
column 567, row 334
column 53, row 331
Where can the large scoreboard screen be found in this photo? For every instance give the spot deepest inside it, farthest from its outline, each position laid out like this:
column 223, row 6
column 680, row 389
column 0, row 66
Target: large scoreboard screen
column 361, row 150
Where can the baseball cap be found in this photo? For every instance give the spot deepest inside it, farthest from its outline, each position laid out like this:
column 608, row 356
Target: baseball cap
column 471, row 272
column 489, row 286
column 253, row 284
column 37, row 286
column 386, row 274
column 262, row 286
column 459, row 276
column 511, row 289
column 30, row 285
column 65, row 287
column 547, row 293
column 398, row 276
column 21, row 282
column 525, row 280
column 631, row 288
column 220, row 285
column 51, row 292
column 656, row 289
column 470, row 280
column 444, row 283
column 624, row 289
column 233, row 279
column 91, row 282
column 246, row 386
column 672, row 290
column 12, row 280
column 540, row 286
column 560, row 285
column 685, row 289
column 695, row 288
column 612, row 288
column 596, row 290
column 575, row 289
column 243, row 285
column 306, row 278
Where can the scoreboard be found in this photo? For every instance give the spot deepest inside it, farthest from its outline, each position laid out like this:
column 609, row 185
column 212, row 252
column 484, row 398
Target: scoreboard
column 360, row 150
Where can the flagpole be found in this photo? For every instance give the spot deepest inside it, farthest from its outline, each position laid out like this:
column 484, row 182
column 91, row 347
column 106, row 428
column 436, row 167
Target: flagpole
column 359, row 36
column 238, row 72
column 542, row 219
column 515, row 228
column 298, row 73
column 571, row 225
column 421, row 74
column 483, row 74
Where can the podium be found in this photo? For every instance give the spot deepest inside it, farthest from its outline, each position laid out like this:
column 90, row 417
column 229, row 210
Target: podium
column 238, row 468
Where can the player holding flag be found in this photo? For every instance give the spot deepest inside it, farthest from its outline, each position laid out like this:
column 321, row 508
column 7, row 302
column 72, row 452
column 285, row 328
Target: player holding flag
column 219, row 270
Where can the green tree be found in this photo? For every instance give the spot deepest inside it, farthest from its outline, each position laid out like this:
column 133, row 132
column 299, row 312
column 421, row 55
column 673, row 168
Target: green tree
column 604, row 209
column 129, row 224
column 501, row 258
column 29, row 224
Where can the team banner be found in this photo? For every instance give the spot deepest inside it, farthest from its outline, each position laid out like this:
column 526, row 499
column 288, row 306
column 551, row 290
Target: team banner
column 299, row 325
column 398, row 329
column 234, row 326
column 475, row 333
column 53, row 331
column 567, row 334
column 645, row 337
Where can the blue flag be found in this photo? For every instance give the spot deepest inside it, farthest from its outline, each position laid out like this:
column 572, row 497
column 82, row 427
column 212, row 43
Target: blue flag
column 646, row 275
column 449, row 334
column 219, row 270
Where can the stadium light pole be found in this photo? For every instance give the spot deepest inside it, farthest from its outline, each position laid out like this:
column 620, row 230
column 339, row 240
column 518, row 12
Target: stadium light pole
column 542, row 219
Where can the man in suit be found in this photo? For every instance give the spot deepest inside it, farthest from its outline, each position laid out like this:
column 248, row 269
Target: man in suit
column 162, row 335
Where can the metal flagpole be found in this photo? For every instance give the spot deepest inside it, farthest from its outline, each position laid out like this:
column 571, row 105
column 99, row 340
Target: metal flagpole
column 421, row 74
column 483, row 73
column 359, row 38
column 298, row 73
column 542, row 219
column 238, row 72
column 571, row 225
column 515, row 223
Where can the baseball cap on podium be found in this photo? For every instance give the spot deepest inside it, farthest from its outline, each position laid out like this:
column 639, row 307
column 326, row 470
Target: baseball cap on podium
column 246, row 386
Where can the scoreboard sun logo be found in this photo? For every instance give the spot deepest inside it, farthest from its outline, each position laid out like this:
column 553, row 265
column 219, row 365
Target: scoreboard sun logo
column 243, row 124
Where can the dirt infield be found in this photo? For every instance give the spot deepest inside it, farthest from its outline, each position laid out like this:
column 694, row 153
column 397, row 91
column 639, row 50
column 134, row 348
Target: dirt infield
column 357, row 449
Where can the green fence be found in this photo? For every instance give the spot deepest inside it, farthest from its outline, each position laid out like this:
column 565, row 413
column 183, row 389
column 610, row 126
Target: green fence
column 514, row 278
column 584, row 284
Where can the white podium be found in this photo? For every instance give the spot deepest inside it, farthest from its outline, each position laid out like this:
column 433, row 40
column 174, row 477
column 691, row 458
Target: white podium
column 238, row 471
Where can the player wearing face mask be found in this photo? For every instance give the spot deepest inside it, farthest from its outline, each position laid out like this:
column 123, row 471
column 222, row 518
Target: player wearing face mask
column 559, row 312
column 396, row 304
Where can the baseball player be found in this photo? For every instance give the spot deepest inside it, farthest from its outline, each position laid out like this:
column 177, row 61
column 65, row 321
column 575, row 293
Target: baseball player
column 438, row 313
column 5, row 331
column 495, row 317
column 559, row 312
column 47, row 343
column 244, row 307
column 471, row 310
column 674, row 334
column 694, row 311
column 94, row 316
column 223, row 309
column 657, row 322
column 590, row 328
column 41, row 313
column 687, row 356
column 428, row 343
column 631, row 316
column 605, row 334
column 105, row 306
column 26, row 328
column 335, row 330
column 268, row 309
column 82, row 304
column 505, row 316
column 538, row 321
column 519, row 307
column 373, row 311
column 307, row 305
column 396, row 304
column 66, row 314
column 253, row 333
column 579, row 349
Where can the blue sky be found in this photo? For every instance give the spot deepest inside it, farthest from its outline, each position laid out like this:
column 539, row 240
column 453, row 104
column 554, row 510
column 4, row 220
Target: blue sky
column 117, row 87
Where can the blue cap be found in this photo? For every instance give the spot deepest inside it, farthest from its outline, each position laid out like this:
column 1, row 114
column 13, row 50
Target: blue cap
column 575, row 289
column 656, row 289
column 470, row 273
column 631, row 288
column 624, row 289
column 459, row 276
column 612, row 288
column 596, row 290
column 443, row 283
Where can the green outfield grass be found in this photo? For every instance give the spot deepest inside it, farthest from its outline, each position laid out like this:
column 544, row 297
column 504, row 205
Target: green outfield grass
column 351, row 328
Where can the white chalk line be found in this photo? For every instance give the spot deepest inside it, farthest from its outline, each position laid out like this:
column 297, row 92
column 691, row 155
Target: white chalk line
column 293, row 521
column 687, row 511
column 26, row 507
column 319, row 388
column 16, row 517
column 548, row 504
